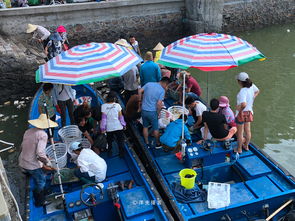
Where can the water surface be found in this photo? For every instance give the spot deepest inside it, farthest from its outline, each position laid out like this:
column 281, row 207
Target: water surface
column 273, row 128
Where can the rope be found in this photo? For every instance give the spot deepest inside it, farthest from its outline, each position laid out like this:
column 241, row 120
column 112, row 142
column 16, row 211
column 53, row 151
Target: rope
column 12, row 196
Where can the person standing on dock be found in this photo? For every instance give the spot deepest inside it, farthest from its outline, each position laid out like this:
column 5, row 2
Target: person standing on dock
column 33, row 156
column 134, row 44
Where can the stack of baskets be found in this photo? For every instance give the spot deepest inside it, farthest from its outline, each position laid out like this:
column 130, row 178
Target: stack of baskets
column 70, row 133
column 61, row 154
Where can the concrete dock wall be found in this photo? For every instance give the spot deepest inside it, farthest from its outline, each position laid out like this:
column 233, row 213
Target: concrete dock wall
column 148, row 20
column 242, row 15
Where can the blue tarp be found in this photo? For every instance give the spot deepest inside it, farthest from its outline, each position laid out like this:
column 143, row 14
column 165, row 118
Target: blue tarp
column 182, row 195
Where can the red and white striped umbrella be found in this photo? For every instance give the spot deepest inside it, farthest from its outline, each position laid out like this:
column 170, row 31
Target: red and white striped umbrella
column 209, row 52
column 88, row 63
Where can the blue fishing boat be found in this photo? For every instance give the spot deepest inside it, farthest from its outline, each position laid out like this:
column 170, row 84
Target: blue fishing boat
column 251, row 187
column 110, row 200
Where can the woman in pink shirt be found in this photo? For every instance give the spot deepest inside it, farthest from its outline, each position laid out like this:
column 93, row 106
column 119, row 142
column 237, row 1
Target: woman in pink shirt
column 224, row 108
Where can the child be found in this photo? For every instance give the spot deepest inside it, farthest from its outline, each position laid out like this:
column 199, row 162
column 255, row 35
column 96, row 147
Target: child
column 113, row 123
column 54, row 46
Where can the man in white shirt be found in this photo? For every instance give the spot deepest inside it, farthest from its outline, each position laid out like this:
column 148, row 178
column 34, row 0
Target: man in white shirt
column 134, row 44
column 197, row 108
column 90, row 165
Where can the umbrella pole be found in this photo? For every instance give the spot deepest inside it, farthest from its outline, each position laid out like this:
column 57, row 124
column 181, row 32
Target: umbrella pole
column 183, row 106
column 208, row 87
column 183, row 144
column 55, row 157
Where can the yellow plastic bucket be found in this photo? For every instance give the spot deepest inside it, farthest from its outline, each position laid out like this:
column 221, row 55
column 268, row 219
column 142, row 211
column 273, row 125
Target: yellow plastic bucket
column 187, row 178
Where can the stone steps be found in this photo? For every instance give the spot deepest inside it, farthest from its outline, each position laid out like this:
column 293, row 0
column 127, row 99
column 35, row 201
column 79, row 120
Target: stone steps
column 18, row 64
column 21, row 50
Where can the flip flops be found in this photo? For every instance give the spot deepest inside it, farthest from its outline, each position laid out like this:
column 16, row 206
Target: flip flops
column 245, row 147
column 125, row 184
column 236, row 151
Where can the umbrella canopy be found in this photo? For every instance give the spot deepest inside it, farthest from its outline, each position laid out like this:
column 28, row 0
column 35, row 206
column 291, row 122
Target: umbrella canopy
column 88, row 63
column 209, row 52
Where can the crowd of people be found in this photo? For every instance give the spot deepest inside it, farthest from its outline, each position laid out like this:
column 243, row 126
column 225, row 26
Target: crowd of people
column 145, row 86
column 217, row 122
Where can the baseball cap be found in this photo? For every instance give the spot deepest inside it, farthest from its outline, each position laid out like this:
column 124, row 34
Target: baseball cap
column 75, row 146
column 242, row 76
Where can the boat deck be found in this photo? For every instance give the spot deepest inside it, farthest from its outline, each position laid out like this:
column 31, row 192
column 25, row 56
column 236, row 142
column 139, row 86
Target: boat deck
column 137, row 203
column 255, row 181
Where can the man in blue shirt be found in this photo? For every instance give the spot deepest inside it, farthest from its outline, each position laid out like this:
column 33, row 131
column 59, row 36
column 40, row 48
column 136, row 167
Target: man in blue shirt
column 149, row 71
column 171, row 139
column 152, row 101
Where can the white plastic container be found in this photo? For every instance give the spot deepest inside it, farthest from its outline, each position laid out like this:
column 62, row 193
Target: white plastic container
column 61, row 154
column 218, row 195
column 69, row 133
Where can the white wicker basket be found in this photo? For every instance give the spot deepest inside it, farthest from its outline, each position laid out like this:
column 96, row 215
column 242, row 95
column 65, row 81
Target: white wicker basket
column 85, row 144
column 69, row 133
column 61, row 154
column 176, row 111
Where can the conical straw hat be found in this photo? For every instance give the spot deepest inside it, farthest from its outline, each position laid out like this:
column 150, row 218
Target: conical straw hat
column 122, row 42
column 42, row 122
column 159, row 47
column 31, row 28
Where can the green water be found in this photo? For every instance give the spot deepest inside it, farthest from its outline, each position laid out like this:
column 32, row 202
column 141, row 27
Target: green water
column 274, row 115
column 274, row 124
column 13, row 123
